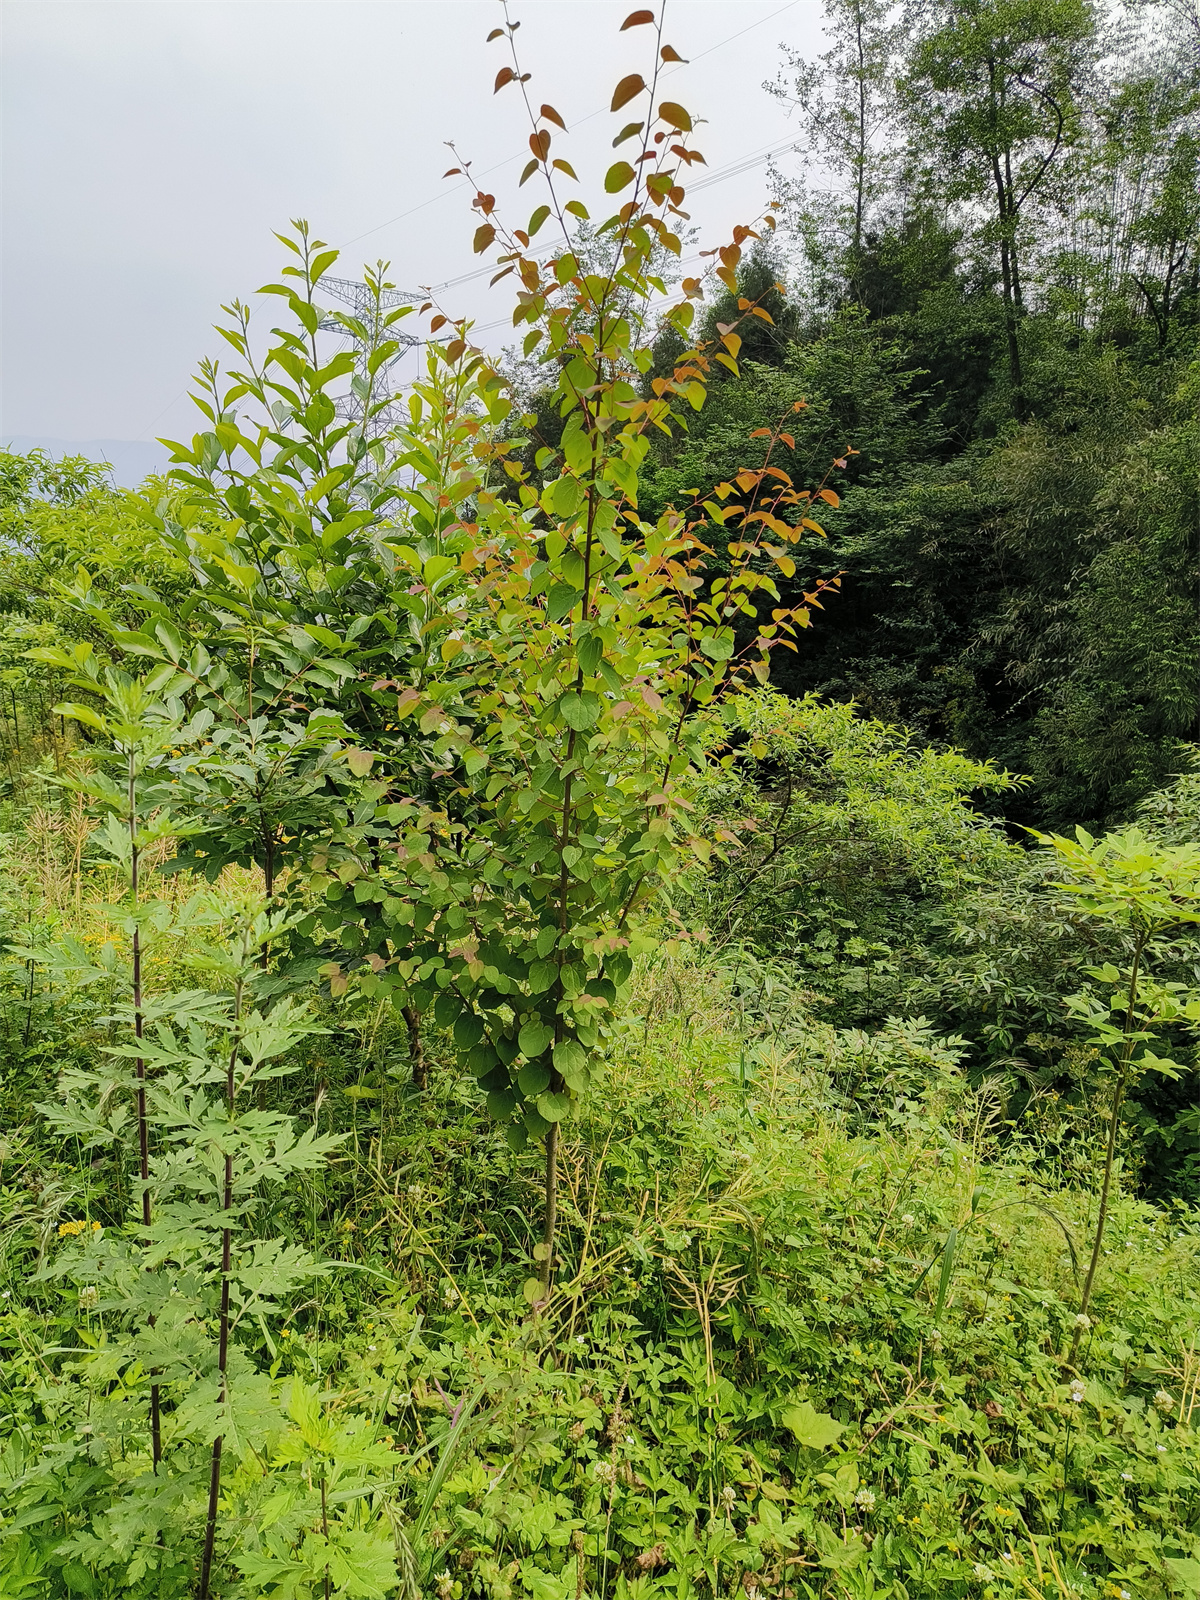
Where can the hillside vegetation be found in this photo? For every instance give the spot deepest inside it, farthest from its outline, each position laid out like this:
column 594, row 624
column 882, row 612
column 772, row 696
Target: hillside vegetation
column 598, row 960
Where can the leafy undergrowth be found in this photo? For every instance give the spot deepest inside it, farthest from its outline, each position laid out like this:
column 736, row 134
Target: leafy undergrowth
column 789, row 1353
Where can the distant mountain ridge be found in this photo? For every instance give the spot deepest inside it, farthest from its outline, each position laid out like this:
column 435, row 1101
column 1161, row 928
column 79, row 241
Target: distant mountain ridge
column 131, row 460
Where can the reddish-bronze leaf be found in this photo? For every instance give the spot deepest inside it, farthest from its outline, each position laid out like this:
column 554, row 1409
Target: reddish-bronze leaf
column 496, row 33
column 626, row 90
column 539, row 143
column 669, row 53
column 635, row 19
column 673, row 113
column 505, row 75
column 552, row 116
column 455, row 349
column 438, row 322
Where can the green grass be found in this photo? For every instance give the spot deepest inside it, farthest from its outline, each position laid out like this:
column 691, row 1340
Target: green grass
column 795, row 1347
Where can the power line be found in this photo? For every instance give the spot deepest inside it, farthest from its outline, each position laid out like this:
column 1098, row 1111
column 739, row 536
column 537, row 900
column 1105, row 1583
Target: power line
column 508, row 160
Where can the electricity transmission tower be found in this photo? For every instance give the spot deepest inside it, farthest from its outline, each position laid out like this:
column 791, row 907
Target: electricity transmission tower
column 369, row 310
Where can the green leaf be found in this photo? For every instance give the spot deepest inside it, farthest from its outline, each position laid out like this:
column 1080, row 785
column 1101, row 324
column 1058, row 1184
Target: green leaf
column 501, row 1103
column 717, row 646
column 85, row 714
column 541, row 976
column 468, row 1030
column 446, row 1008
column 482, row 1059
column 561, row 600
column 617, row 177
column 564, row 496
column 533, row 1079
column 1184, row 1574
column 810, row 1427
column 580, row 711
column 361, row 1562
column 535, row 1123
column 554, row 1107
column 569, row 1055
column 948, row 1254
column 589, row 651
column 534, row 1038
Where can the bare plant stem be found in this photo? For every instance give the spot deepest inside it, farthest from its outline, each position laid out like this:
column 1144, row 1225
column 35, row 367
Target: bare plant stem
column 140, row 1069
column 214, row 1477
column 416, row 1049
column 548, row 1230
column 1114, row 1118
column 325, row 1529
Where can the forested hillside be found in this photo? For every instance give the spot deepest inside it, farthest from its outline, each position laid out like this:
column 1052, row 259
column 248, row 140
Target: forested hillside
column 996, row 305
column 600, row 960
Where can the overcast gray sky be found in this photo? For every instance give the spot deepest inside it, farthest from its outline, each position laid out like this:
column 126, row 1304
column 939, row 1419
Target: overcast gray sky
column 151, row 147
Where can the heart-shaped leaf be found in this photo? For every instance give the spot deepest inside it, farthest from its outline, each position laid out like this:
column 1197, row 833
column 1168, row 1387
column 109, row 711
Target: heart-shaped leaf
column 554, row 1107
column 533, row 1079
column 813, row 1428
column 580, row 711
column 534, row 1039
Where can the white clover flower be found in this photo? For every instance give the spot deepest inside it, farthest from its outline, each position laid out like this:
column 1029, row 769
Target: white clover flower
column 1082, row 1320
column 983, row 1572
column 604, row 1472
column 729, row 1497
column 1127, row 1476
column 908, row 1219
column 865, row 1500
column 1078, row 1392
column 1164, row 1401
column 89, row 1298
